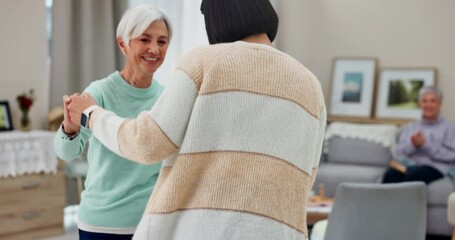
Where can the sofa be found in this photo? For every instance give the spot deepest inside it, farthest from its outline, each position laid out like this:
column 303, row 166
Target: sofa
column 351, row 158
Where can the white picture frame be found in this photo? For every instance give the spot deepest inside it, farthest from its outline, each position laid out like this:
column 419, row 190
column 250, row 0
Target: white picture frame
column 352, row 88
column 397, row 93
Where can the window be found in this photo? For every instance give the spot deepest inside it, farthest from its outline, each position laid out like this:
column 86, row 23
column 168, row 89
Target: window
column 49, row 27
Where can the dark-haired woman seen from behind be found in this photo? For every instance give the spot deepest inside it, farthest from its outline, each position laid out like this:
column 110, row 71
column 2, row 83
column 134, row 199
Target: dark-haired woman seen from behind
column 241, row 128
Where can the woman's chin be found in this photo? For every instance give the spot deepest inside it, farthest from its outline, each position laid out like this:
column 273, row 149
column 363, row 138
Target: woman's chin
column 151, row 69
column 430, row 116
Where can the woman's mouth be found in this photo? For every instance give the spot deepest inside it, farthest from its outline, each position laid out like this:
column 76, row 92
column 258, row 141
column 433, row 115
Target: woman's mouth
column 150, row 59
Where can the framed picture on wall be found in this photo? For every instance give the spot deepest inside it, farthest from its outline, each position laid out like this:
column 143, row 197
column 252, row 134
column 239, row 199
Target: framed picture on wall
column 5, row 117
column 398, row 91
column 352, row 86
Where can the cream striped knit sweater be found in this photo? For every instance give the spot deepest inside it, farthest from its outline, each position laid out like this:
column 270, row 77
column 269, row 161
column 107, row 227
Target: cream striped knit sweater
column 241, row 129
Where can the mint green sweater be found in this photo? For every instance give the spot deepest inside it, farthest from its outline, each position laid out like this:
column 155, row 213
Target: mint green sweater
column 116, row 189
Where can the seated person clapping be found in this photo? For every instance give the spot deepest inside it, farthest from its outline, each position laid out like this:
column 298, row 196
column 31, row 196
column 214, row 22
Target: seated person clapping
column 426, row 147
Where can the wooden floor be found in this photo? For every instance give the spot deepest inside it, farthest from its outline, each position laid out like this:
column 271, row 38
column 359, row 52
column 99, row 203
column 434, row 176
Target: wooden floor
column 70, row 222
column 72, row 235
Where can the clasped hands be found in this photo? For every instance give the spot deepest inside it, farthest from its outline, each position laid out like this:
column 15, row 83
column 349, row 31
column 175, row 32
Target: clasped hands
column 73, row 107
column 418, row 139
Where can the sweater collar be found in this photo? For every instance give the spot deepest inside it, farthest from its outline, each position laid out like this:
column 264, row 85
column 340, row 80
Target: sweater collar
column 256, row 45
column 134, row 91
column 432, row 122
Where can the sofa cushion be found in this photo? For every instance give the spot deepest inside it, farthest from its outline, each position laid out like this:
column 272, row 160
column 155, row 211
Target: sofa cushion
column 331, row 175
column 437, row 222
column 357, row 151
column 438, row 191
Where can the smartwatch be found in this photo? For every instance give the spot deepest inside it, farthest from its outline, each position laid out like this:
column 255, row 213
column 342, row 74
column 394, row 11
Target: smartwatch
column 85, row 117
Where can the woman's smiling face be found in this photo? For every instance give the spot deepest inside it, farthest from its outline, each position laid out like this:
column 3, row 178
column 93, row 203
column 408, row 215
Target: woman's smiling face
column 146, row 53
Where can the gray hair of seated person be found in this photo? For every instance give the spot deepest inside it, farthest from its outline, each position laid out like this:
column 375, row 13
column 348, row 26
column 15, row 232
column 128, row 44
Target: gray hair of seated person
column 430, row 89
column 137, row 19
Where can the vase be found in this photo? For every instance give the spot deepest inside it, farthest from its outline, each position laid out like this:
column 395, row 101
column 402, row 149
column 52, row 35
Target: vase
column 26, row 124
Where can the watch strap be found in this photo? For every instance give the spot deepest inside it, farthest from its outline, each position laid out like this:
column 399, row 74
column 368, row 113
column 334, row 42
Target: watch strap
column 90, row 109
column 85, row 117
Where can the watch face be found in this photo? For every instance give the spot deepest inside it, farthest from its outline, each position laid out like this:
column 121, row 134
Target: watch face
column 84, row 119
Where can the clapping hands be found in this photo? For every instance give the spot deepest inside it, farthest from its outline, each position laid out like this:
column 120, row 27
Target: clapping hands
column 418, row 139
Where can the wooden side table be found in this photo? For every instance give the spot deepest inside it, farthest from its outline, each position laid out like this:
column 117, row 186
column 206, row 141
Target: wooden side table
column 314, row 216
column 319, row 207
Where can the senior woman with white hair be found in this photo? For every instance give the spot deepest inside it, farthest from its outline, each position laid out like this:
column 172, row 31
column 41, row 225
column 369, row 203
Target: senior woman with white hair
column 116, row 189
column 426, row 146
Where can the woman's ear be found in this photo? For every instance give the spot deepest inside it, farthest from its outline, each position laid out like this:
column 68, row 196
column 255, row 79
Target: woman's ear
column 121, row 45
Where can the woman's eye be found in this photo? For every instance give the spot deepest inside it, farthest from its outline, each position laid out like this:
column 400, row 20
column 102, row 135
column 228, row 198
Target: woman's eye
column 144, row 40
column 162, row 42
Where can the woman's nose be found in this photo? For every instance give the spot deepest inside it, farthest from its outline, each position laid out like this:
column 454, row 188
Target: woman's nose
column 153, row 50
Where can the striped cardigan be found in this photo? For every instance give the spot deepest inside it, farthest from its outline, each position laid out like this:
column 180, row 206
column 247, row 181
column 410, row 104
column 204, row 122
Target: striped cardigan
column 240, row 128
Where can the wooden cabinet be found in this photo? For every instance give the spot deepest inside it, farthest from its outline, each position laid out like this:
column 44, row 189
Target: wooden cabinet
column 31, row 206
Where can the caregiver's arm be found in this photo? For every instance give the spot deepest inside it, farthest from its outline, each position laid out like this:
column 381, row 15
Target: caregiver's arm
column 153, row 135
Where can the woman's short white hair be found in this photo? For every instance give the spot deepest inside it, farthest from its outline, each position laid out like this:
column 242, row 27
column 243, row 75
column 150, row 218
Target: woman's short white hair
column 137, row 19
column 430, row 89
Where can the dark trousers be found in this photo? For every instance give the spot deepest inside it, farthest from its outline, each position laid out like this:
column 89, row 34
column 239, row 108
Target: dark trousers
column 425, row 174
column 83, row 235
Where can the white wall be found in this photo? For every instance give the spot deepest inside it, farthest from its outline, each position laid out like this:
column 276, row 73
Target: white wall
column 23, row 51
column 399, row 33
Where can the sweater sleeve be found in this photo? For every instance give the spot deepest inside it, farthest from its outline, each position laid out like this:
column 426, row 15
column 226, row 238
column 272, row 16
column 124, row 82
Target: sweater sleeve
column 69, row 149
column 444, row 150
column 320, row 140
column 404, row 146
column 155, row 134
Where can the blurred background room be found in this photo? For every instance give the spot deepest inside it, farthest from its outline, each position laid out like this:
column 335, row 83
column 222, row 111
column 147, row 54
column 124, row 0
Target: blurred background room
column 56, row 47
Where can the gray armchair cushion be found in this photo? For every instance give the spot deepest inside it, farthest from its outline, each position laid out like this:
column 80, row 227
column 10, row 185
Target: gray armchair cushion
column 439, row 191
column 331, row 175
column 378, row 211
column 357, row 151
column 437, row 223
